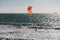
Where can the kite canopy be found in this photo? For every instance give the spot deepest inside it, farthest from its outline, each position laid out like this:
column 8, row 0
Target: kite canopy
column 29, row 10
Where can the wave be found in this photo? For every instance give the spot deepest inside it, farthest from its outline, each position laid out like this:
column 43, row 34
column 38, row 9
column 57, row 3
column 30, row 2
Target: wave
column 10, row 32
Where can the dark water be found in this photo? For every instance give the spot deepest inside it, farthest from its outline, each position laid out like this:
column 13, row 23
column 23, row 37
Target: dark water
column 24, row 19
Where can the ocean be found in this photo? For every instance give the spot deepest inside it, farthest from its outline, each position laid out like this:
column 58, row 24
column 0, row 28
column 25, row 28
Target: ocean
column 21, row 26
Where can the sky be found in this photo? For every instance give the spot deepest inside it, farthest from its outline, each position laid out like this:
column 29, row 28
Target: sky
column 20, row 6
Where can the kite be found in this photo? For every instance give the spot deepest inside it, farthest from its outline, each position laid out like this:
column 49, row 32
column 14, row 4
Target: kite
column 29, row 10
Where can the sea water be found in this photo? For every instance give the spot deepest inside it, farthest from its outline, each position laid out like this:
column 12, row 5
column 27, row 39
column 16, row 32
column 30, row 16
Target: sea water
column 23, row 26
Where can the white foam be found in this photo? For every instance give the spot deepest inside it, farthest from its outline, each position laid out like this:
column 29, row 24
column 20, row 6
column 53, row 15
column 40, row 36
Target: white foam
column 28, row 33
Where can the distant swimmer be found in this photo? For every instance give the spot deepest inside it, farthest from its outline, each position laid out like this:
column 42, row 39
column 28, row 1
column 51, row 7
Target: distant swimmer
column 29, row 10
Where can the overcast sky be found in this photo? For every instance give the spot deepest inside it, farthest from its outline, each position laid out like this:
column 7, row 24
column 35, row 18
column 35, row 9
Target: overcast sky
column 39, row 6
